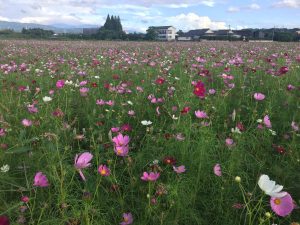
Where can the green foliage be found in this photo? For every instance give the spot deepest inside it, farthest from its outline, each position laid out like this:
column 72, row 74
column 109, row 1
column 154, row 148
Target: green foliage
column 151, row 34
column 37, row 33
column 112, row 29
column 284, row 37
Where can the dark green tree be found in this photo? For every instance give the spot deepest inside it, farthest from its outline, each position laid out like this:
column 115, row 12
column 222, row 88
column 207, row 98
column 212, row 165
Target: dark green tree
column 151, row 34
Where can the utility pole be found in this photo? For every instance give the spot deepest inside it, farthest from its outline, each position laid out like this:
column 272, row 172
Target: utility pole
column 273, row 33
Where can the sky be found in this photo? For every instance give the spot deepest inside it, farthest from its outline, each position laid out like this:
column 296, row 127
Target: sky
column 138, row 15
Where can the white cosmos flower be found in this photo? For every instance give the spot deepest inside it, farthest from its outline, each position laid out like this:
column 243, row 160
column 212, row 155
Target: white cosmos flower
column 4, row 168
column 47, row 99
column 146, row 123
column 270, row 187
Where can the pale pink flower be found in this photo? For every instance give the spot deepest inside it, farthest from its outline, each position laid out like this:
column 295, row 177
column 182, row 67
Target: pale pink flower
column 229, row 141
column 40, row 180
column 152, row 176
column 131, row 113
column 100, row 102
column 82, row 161
column 179, row 169
column 2, row 132
column 32, row 109
column 217, row 170
column 110, row 103
column 201, row 114
column 26, row 123
column 115, row 129
column 259, row 96
column 127, row 219
column 267, row 122
column 295, row 126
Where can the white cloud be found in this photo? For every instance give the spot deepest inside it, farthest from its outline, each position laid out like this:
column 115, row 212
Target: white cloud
column 253, row 6
column 287, row 3
column 233, row 9
column 192, row 21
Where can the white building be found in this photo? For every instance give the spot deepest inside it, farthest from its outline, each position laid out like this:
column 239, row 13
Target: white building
column 165, row 33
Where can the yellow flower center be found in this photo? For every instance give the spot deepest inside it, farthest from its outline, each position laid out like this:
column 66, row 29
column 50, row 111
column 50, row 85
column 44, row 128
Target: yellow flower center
column 119, row 151
column 197, row 89
column 103, row 172
column 277, row 201
column 126, row 219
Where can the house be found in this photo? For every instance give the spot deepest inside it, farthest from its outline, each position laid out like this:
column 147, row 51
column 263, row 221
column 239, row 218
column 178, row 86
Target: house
column 165, row 33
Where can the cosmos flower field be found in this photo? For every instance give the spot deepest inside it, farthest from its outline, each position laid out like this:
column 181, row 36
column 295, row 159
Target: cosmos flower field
column 149, row 133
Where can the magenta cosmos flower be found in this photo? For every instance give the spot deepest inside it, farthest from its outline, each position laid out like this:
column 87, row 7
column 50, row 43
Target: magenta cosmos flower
column 60, row 84
column 82, row 161
column 282, row 206
column 217, row 170
column 259, row 96
column 179, row 169
column 267, row 122
column 4, row 220
column 127, row 219
column 201, row 114
column 152, row 176
column 104, row 170
column 40, row 180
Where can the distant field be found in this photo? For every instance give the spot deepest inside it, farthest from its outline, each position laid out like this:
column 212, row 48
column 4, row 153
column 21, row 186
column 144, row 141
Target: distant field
column 149, row 133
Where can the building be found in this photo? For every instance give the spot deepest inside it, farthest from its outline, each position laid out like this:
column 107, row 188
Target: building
column 165, row 33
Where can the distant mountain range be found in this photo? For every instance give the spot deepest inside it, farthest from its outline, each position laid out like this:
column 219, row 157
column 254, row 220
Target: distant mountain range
column 57, row 28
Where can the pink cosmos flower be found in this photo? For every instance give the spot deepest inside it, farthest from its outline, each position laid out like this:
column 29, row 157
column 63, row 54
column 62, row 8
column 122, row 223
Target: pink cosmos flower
column 179, row 169
column 127, row 219
column 293, row 125
column 282, row 206
column 24, row 199
column 131, row 113
column 40, row 180
column 121, row 150
column 104, row 170
column 121, row 140
column 26, row 123
column 2, row 132
column 259, row 96
column 152, row 176
column 229, row 141
column 217, row 170
column 32, row 109
column 60, row 84
column 267, row 122
column 100, row 102
column 82, row 161
column 211, row 91
column 84, row 91
column 110, row 103
column 115, row 129
column 201, row 114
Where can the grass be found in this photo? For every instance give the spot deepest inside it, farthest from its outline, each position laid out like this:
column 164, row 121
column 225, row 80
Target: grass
column 197, row 196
